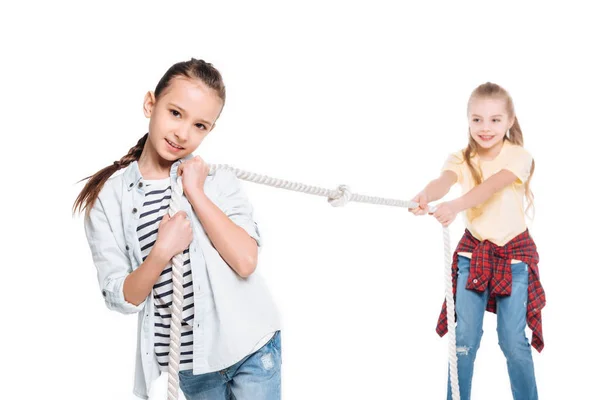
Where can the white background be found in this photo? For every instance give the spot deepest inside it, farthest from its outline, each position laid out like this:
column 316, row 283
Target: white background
column 323, row 93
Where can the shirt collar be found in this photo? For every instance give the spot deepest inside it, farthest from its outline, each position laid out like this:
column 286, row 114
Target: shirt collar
column 133, row 176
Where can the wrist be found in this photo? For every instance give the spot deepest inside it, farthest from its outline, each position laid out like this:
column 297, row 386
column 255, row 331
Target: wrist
column 197, row 194
column 160, row 254
column 198, row 199
column 459, row 204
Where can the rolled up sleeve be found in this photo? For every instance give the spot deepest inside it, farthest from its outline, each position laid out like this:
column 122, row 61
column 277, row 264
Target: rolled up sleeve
column 454, row 163
column 112, row 264
column 236, row 206
column 519, row 163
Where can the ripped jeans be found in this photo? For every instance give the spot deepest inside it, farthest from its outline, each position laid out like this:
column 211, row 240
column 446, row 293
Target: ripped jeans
column 256, row 377
column 511, row 314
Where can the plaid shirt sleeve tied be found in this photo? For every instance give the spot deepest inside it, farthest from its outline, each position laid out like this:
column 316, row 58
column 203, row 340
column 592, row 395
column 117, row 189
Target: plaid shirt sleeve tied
column 491, row 268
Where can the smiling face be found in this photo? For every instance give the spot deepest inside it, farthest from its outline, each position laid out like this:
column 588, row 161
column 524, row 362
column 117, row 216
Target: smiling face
column 180, row 119
column 488, row 122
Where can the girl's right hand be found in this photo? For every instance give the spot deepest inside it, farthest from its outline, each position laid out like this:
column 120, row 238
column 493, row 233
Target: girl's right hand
column 174, row 234
column 423, row 208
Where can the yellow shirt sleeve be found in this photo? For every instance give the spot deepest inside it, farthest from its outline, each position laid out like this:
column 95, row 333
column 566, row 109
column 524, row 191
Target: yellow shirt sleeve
column 519, row 163
column 455, row 163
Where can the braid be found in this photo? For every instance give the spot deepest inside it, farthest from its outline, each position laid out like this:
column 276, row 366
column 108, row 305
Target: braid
column 92, row 188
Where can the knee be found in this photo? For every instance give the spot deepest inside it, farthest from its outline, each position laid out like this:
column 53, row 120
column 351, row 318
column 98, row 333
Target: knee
column 512, row 343
column 467, row 341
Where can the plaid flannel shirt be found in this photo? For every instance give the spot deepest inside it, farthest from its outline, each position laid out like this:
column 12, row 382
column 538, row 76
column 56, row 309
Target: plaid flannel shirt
column 491, row 267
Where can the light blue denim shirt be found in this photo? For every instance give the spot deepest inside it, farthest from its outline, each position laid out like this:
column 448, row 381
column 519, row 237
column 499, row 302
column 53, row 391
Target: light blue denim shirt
column 232, row 313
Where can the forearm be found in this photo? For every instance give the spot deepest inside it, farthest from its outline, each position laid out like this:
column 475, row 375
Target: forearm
column 484, row 191
column 139, row 283
column 438, row 188
column 236, row 247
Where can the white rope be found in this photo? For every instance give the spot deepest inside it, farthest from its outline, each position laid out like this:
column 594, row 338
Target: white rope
column 337, row 198
column 452, row 358
column 176, row 304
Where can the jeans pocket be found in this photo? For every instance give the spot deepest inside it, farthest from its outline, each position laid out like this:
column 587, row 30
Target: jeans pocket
column 520, row 272
column 272, row 350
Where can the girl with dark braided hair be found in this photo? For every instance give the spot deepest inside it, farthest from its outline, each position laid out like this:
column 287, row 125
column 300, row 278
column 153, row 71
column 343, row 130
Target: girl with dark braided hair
column 230, row 332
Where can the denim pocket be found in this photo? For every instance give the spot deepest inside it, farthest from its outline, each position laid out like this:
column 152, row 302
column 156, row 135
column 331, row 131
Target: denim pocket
column 520, row 273
column 273, row 347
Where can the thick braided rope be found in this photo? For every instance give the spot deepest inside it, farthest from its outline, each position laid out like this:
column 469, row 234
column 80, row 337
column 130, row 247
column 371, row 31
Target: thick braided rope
column 176, row 304
column 452, row 358
column 337, row 198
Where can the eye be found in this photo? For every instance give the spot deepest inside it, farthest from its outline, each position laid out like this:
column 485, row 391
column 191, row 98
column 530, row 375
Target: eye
column 496, row 120
column 200, row 126
column 175, row 113
column 475, row 119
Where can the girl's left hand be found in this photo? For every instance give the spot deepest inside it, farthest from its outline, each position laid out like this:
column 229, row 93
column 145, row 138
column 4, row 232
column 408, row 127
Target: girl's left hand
column 446, row 212
column 194, row 172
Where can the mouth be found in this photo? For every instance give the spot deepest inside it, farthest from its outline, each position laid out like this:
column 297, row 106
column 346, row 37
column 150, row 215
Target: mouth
column 486, row 138
column 173, row 145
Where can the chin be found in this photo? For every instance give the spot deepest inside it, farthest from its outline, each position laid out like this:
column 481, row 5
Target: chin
column 166, row 155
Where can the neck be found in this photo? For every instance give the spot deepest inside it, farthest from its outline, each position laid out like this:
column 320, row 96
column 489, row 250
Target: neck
column 152, row 165
column 491, row 153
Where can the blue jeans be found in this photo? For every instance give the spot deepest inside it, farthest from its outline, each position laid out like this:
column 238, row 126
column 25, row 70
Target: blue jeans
column 256, row 377
column 511, row 313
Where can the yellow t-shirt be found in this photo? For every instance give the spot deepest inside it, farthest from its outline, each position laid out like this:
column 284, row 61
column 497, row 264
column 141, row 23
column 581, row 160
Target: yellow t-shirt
column 502, row 217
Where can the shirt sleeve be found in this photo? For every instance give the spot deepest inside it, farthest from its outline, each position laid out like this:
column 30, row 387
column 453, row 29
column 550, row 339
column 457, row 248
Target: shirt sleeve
column 454, row 163
column 112, row 264
column 519, row 163
column 236, row 206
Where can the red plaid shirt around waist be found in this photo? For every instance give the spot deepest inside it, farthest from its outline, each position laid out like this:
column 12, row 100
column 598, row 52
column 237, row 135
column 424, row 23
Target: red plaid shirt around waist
column 491, row 267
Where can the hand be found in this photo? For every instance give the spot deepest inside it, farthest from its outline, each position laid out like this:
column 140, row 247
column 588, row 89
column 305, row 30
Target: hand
column 422, row 209
column 174, row 235
column 193, row 172
column 446, row 212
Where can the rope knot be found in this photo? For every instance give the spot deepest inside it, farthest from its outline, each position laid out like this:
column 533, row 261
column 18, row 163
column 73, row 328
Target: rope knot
column 341, row 198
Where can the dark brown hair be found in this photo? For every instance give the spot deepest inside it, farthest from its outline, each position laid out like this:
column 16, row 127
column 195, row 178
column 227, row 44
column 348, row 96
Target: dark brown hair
column 192, row 69
column 515, row 135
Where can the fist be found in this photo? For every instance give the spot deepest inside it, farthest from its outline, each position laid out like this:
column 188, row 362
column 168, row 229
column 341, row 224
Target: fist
column 193, row 174
column 422, row 209
column 174, row 234
column 445, row 213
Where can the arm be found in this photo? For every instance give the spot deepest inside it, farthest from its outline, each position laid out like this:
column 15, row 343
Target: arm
column 446, row 212
column 233, row 243
column 438, row 188
column 121, row 293
column 138, row 284
column 483, row 192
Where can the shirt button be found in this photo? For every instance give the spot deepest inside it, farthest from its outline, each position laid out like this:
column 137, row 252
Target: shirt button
column 140, row 184
column 127, row 247
column 104, row 293
column 134, row 210
column 475, row 281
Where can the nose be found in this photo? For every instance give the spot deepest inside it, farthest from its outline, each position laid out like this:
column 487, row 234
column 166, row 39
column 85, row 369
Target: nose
column 182, row 133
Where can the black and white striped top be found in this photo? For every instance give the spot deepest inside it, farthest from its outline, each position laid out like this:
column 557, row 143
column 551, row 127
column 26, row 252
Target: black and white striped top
column 156, row 205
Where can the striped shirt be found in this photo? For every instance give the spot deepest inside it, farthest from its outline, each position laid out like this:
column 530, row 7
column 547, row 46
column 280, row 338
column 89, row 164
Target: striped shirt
column 155, row 206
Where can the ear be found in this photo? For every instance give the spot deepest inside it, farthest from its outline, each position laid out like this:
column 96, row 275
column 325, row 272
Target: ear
column 149, row 103
column 511, row 122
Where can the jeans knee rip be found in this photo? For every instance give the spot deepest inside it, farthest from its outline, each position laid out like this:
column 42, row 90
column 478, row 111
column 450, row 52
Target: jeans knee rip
column 462, row 351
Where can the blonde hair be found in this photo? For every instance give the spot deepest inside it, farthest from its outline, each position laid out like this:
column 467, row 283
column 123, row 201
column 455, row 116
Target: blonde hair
column 515, row 136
